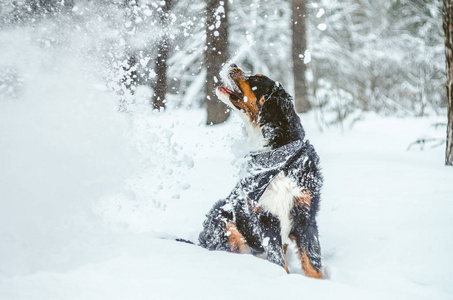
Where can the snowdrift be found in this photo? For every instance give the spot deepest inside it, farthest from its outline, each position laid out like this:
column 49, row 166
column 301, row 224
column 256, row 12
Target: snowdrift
column 91, row 200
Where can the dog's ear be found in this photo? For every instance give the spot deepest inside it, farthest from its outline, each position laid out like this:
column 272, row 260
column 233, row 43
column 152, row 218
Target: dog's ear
column 278, row 105
column 279, row 92
column 278, row 117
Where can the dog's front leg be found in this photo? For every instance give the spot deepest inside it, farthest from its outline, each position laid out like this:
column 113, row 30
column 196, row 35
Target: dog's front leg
column 272, row 240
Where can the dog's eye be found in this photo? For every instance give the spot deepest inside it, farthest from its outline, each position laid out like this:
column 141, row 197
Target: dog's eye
column 254, row 88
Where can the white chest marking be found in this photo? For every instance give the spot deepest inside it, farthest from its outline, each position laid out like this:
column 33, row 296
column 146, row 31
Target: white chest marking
column 278, row 199
column 255, row 138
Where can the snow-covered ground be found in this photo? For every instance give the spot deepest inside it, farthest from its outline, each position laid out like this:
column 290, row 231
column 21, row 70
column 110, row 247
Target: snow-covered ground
column 91, row 200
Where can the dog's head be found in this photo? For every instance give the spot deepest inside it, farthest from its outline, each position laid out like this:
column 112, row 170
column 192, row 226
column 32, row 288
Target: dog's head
column 265, row 105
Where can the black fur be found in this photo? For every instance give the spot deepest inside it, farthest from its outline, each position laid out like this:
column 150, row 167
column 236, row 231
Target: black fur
column 281, row 126
column 280, row 123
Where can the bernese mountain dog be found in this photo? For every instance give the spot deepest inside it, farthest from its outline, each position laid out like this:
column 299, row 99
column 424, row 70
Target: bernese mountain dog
column 276, row 200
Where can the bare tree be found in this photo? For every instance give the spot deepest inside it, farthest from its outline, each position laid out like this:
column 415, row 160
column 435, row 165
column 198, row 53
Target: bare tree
column 129, row 66
column 448, row 30
column 299, row 34
column 215, row 57
column 160, row 88
column 42, row 6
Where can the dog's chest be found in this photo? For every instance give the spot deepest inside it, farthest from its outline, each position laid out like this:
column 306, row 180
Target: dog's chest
column 278, row 199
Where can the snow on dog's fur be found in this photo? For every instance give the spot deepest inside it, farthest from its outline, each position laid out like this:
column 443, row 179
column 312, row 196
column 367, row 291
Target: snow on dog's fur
column 275, row 203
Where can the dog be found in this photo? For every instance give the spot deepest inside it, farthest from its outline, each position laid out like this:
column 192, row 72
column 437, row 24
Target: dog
column 276, row 200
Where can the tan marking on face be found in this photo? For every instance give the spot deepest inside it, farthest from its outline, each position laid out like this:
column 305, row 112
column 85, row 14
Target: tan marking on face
column 236, row 240
column 304, row 199
column 261, row 101
column 306, row 266
column 248, row 103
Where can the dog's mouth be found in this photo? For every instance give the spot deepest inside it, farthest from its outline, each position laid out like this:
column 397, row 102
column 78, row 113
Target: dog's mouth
column 235, row 77
column 234, row 95
column 239, row 94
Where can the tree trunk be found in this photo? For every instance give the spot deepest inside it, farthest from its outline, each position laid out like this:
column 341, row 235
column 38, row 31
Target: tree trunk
column 299, row 13
column 215, row 57
column 160, row 87
column 448, row 30
column 42, row 6
column 69, row 4
column 129, row 79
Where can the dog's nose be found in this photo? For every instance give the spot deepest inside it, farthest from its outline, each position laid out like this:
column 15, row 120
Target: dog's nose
column 233, row 66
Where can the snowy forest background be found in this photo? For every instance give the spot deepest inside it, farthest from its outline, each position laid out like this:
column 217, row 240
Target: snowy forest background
column 383, row 56
column 96, row 183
